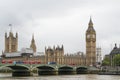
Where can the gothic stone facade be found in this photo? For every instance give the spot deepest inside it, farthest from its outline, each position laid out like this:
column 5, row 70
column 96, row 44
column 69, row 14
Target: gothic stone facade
column 90, row 45
column 11, row 43
column 56, row 54
column 75, row 59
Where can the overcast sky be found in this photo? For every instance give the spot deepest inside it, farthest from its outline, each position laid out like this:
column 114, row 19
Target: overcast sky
column 57, row 22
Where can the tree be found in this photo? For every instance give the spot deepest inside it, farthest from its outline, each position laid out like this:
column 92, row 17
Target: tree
column 116, row 60
column 106, row 61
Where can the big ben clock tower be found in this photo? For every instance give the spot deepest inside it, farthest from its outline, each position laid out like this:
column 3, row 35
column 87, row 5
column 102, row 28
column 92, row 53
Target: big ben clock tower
column 90, row 45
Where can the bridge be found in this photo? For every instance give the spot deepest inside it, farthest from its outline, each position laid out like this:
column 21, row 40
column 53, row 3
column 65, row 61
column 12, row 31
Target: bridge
column 44, row 69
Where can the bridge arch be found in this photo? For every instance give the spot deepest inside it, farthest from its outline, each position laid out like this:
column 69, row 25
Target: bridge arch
column 43, row 65
column 81, row 70
column 66, row 70
column 18, row 70
column 16, row 67
column 46, row 69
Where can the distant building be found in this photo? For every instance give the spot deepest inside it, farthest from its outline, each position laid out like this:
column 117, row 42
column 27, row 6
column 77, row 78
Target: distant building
column 115, row 51
column 112, row 54
column 98, row 55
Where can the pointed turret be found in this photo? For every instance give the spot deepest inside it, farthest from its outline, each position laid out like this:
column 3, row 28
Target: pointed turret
column 5, row 34
column 16, row 35
column 33, row 46
column 62, row 47
column 115, row 46
column 33, row 38
column 90, row 22
column 90, row 26
column 45, row 49
column 54, row 47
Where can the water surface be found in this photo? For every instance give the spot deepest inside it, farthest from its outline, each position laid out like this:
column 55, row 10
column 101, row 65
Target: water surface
column 62, row 77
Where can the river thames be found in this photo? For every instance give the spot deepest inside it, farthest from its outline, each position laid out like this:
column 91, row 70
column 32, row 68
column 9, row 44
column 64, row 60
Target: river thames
column 62, row 77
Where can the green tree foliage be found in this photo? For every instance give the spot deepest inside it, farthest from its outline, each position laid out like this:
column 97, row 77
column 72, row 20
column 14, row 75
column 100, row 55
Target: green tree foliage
column 106, row 61
column 116, row 60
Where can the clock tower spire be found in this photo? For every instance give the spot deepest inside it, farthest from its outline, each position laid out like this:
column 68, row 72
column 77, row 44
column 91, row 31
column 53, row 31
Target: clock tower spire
column 90, row 44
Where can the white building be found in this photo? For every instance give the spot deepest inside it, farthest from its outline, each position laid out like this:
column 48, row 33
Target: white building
column 98, row 55
column 23, row 52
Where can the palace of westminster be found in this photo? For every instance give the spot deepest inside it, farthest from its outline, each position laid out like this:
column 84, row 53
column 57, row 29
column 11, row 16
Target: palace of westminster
column 55, row 54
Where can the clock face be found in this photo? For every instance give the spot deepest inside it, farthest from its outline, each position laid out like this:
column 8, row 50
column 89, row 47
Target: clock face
column 93, row 36
column 88, row 36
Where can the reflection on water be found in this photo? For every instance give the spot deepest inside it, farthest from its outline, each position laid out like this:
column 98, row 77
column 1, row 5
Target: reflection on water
column 62, row 77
